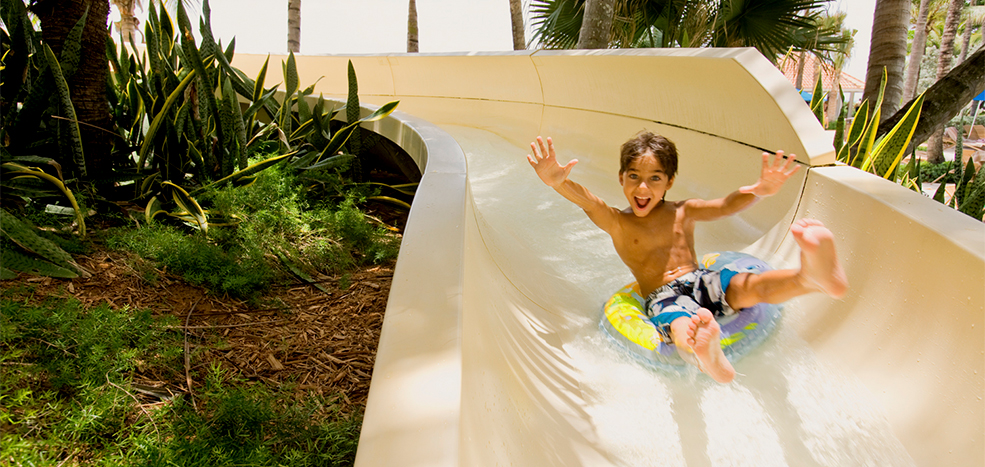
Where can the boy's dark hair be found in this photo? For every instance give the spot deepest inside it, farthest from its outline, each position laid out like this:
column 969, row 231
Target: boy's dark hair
column 646, row 142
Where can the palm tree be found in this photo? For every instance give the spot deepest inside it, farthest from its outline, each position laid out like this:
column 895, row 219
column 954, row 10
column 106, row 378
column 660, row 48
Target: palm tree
column 916, row 51
column 516, row 20
column 887, row 53
column 837, row 61
column 596, row 25
column 935, row 146
column 971, row 20
column 294, row 26
column 412, row 46
column 772, row 26
column 944, row 99
column 88, row 83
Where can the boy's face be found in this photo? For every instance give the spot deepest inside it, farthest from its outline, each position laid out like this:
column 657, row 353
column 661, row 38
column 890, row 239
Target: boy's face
column 644, row 183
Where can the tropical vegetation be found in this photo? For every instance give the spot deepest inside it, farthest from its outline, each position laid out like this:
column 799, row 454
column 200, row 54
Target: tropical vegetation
column 774, row 27
column 201, row 172
column 185, row 125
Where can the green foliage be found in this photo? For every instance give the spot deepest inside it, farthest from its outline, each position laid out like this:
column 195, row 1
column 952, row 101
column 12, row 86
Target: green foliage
column 239, row 271
column 66, row 391
column 184, row 142
column 772, row 27
column 887, row 154
column 934, row 172
column 252, row 426
column 62, row 360
column 817, row 100
column 274, row 216
column 840, row 123
column 25, row 250
column 38, row 115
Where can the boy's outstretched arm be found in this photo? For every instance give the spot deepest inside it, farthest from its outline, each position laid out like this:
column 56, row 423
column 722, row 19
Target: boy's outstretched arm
column 771, row 179
column 554, row 175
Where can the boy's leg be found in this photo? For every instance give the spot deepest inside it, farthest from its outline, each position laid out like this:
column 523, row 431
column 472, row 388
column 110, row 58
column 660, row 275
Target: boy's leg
column 699, row 337
column 819, row 271
column 694, row 332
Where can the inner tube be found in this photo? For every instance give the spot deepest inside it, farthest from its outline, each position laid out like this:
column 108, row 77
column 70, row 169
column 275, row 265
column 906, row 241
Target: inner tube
column 624, row 318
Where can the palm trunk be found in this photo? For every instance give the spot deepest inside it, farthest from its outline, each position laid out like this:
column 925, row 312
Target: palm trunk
column 800, row 70
column 916, row 52
column 834, row 97
column 966, row 37
column 596, row 26
column 88, row 84
column 412, row 46
column 887, row 50
column 516, row 19
column 935, row 145
column 944, row 99
column 294, row 26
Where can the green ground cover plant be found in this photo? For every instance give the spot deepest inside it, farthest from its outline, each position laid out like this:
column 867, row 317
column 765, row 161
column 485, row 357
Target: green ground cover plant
column 221, row 179
column 68, row 392
column 278, row 232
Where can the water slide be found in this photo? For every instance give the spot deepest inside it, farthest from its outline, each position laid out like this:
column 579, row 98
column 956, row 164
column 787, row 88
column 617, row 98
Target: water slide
column 491, row 351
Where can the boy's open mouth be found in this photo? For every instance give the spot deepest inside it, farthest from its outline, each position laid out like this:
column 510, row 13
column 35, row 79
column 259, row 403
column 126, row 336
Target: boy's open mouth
column 641, row 203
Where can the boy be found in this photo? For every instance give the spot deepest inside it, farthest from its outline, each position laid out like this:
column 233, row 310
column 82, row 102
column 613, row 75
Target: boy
column 655, row 238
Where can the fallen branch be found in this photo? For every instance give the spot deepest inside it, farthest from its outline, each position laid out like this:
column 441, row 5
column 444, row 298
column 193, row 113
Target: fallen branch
column 220, row 326
column 142, row 409
column 188, row 357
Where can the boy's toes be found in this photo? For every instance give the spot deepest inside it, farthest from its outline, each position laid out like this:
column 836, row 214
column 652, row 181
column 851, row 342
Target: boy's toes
column 703, row 316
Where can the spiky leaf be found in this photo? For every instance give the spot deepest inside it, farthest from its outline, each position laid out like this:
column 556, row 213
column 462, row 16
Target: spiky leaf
column 65, row 104
column 974, row 196
column 840, row 123
column 247, row 172
column 32, row 244
column 890, row 151
column 19, row 261
column 855, row 132
column 161, row 117
column 817, row 101
column 189, row 205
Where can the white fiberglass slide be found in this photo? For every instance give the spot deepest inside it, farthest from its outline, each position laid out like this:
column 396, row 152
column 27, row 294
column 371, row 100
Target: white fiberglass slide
column 492, row 353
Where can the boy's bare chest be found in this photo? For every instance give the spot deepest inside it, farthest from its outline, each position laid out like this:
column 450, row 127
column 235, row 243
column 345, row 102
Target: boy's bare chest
column 645, row 238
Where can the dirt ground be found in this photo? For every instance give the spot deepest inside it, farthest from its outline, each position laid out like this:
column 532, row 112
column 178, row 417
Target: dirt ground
column 315, row 341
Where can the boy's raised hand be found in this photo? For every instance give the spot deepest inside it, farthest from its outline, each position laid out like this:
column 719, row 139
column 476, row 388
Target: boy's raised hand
column 545, row 163
column 773, row 176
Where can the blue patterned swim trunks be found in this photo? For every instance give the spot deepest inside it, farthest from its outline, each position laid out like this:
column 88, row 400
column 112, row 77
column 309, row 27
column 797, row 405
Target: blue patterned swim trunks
column 701, row 288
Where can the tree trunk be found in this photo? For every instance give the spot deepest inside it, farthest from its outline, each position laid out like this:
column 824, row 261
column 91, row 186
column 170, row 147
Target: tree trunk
column 916, row 52
column 966, row 37
column 412, row 46
column 88, row 85
column 834, row 97
column 887, row 50
column 935, row 145
column 516, row 19
column 800, row 70
column 944, row 99
column 294, row 26
column 596, row 26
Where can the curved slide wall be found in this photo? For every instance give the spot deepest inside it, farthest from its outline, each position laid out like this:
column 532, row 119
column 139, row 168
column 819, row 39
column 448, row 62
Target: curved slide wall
column 491, row 352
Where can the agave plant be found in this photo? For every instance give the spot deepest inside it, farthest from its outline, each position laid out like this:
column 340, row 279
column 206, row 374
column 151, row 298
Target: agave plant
column 882, row 157
column 186, row 121
column 40, row 143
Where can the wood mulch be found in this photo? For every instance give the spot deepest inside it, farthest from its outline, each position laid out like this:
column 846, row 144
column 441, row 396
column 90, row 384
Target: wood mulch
column 299, row 337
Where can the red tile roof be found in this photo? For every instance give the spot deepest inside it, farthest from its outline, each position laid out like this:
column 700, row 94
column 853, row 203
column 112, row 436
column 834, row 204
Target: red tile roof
column 788, row 65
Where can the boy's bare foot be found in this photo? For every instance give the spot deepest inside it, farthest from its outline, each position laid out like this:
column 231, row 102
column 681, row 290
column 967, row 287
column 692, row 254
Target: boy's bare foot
column 819, row 265
column 706, row 342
